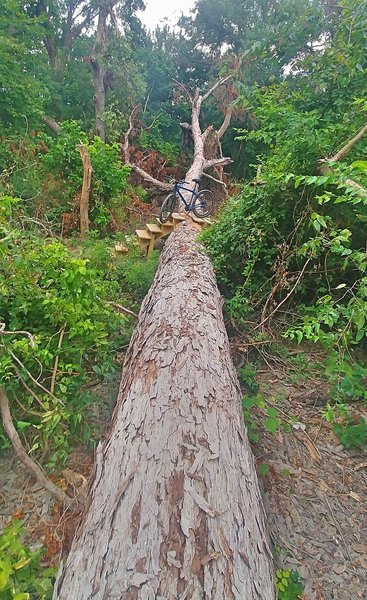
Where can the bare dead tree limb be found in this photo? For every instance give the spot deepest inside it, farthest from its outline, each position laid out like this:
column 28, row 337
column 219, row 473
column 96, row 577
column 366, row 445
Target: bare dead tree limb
column 215, row 86
column 215, row 180
column 18, row 332
column 24, row 457
column 215, row 162
column 327, row 169
column 51, row 123
column 343, row 151
column 124, row 310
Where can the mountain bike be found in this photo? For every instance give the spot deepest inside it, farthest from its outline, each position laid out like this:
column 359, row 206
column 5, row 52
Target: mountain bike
column 201, row 202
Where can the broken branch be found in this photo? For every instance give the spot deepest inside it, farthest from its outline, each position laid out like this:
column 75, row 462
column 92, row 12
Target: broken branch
column 24, row 457
column 340, row 155
column 124, row 310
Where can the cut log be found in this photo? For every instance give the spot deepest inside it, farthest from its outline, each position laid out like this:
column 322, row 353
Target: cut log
column 174, row 509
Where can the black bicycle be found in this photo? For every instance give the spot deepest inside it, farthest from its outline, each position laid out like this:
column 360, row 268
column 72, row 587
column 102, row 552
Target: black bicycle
column 201, row 202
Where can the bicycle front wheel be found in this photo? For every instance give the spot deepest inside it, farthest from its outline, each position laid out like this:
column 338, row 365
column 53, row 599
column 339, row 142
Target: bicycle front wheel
column 168, row 207
column 203, row 204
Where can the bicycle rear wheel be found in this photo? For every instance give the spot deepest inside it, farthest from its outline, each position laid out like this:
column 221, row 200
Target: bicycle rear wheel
column 168, row 207
column 203, row 204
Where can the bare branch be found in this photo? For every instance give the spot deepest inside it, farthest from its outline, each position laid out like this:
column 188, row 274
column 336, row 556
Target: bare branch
column 56, row 364
column 286, row 298
column 186, row 126
column 328, row 170
column 215, row 162
column 166, row 187
column 52, row 124
column 340, row 155
column 125, row 147
column 215, row 86
column 24, row 457
column 226, row 121
column 185, row 90
column 19, row 332
column 124, row 310
column 215, row 179
column 37, row 383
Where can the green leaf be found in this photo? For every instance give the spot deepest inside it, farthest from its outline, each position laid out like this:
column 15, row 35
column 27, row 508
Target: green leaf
column 263, row 469
column 272, row 424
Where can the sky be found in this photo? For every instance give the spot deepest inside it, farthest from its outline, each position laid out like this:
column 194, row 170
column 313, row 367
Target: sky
column 158, row 10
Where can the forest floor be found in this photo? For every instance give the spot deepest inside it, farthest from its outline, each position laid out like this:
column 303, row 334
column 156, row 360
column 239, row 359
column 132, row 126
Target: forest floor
column 314, row 489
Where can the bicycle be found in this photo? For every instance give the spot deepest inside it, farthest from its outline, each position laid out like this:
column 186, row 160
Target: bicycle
column 201, row 202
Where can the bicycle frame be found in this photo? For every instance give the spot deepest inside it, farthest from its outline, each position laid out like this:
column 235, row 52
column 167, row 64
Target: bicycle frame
column 194, row 194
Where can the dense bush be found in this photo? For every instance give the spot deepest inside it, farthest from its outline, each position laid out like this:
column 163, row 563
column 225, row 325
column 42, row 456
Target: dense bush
column 61, row 298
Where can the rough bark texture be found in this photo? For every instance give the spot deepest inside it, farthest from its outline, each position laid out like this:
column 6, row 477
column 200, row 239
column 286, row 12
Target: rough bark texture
column 85, row 193
column 174, row 506
column 97, row 62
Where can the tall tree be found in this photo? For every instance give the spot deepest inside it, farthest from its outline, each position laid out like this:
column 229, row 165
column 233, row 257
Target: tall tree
column 22, row 92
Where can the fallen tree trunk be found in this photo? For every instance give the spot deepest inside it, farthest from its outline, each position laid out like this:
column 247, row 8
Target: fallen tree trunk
column 174, row 509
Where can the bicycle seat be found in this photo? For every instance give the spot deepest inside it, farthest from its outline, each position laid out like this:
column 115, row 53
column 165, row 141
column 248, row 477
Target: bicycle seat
column 197, row 180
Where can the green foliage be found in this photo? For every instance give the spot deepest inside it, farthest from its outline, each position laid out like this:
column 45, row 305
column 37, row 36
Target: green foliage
column 22, row 92
column 289, row 584
column 152, row 137
column 295, row 232
column 61, row 300
column 352, row 433
column 22, row 575
column 109, row 174
column 270, row 418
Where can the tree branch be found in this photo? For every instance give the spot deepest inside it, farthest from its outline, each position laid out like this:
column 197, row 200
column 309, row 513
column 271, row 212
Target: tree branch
column 56, row 364
column 340, row 155
column 215, row 86
column 24, row 457
column 125, row 150
column 328, row 170
column 215, row 162
column 215, row 179
column 226, row 121
column 19, row 332
column 124, row 310
column 286, row 298
column 52, row 124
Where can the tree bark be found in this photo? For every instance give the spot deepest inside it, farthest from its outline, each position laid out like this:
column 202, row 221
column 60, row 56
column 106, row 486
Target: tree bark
column 85, row 193
column 97, row 62
column 174, row 509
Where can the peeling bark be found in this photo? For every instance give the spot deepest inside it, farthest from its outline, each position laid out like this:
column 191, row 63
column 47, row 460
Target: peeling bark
column 174, row 509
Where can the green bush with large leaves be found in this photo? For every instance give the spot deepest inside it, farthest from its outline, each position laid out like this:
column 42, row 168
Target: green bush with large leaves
column 61, row 299
column 294, row 238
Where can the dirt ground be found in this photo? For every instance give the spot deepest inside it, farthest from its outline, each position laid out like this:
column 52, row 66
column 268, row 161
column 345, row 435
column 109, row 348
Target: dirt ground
column 314, row 493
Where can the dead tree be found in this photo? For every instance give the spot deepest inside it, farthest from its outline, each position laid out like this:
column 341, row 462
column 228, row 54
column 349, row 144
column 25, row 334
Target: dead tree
column 174, row 509
column 202, row 140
